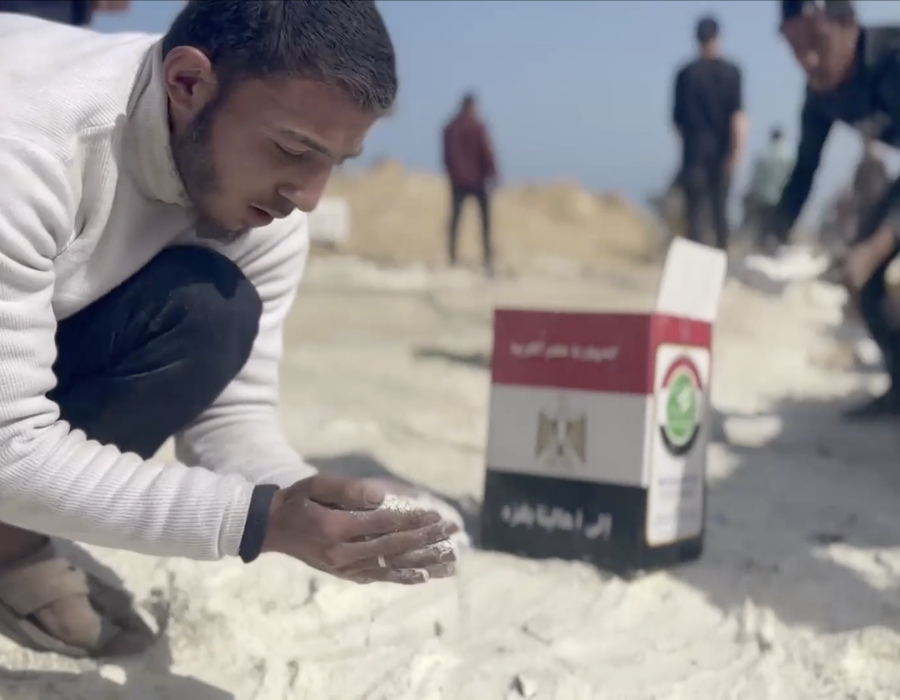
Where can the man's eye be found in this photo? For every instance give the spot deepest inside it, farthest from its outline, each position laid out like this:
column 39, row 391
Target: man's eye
column 293, row 155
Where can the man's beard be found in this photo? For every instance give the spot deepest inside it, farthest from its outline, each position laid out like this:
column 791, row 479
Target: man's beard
column 192, row 152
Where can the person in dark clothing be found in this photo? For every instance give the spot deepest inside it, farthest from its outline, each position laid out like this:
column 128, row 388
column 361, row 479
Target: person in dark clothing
column 707, row 114
column 78, row 13
column 871, row 178
column 853, row 77
column 471, row 168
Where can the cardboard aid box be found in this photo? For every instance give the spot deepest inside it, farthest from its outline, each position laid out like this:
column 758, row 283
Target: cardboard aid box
column 599, row 424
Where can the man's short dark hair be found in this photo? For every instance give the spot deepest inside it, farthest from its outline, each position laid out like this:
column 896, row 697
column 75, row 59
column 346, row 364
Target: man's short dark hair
column 337, row 42
column 707, row 29
column 842, row 11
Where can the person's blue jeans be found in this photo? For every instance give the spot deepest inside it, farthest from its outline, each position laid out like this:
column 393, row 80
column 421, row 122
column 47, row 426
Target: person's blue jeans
column 137, row 366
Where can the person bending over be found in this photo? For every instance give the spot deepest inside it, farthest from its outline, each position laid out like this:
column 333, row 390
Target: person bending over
column 152, row 237
column 853, row 76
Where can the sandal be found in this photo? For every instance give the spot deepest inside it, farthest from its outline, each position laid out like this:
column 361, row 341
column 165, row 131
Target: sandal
column 45, row 586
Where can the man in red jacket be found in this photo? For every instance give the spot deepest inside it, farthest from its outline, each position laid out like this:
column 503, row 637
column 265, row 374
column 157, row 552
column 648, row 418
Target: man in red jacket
column 469, row 161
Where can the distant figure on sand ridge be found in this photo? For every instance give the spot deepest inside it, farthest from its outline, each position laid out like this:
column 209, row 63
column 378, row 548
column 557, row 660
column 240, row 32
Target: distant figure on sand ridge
column 472, row 170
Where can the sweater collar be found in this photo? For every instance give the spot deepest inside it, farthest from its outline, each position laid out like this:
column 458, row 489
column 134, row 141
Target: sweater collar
column 148, row 136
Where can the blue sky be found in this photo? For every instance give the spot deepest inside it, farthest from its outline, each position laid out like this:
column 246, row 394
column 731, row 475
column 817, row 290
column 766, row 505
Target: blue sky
column 578, row 89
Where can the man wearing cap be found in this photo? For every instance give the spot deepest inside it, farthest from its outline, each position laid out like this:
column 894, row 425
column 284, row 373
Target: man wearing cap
column 853, row 76
column 707, row 116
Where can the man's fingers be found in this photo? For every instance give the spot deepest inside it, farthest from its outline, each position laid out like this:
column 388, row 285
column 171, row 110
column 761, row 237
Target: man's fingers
column 403, row 577
column 407, row 577
column 440, row 553
column 350, row 553
column 343, row 493
column 441, row 570
column 386, row 520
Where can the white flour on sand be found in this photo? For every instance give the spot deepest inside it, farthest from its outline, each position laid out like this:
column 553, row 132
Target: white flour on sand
column 796, row 597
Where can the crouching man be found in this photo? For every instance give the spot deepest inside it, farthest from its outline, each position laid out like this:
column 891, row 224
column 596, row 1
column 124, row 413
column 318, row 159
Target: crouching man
column 853, row 77
column 152, row 237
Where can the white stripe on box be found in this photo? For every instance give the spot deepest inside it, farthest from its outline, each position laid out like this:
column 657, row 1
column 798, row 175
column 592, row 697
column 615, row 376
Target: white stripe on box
column 538, row 431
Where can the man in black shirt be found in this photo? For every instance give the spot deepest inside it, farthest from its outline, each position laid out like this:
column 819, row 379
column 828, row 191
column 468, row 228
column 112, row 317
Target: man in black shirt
column 853, row 77
column 707, row 115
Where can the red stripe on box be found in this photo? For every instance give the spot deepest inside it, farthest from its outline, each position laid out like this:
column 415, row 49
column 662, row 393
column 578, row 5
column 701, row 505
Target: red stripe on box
column 585, row 351
column 681, row 331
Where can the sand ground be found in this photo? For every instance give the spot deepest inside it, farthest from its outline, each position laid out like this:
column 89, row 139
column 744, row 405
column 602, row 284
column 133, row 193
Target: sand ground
column 796, row 597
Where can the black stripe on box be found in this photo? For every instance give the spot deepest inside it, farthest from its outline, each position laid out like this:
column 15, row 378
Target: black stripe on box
column 543, row 517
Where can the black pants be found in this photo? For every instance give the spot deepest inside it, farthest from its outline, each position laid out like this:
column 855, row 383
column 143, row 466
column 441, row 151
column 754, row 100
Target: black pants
column 874, row 304
column 874, row 309
column 458, row 198
column 706, row 184
column 140, row 364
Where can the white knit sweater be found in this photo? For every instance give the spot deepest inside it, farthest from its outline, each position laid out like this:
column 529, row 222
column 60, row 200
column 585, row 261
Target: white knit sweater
column 88, row 195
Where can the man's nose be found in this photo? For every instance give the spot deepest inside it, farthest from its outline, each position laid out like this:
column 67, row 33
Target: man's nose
column 810, row 60
column 307, row 195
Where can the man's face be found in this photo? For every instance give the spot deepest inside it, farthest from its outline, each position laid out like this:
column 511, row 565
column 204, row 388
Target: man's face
column 260, row 149
column 822, row 48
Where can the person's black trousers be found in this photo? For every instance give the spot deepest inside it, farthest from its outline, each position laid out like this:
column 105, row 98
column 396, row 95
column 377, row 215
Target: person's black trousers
column 874, row 307
column 458, row 197
column 706, row 185
column 141, row 363
column 874, row 303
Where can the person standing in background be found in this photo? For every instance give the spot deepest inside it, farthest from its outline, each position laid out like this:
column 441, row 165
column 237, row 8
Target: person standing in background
column 708, row 116
column 78, row 13
column 472, row 170
column 770, row 174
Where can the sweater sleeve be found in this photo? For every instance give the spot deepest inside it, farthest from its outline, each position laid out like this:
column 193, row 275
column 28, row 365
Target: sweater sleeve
column 241, row 432
column 54, row 480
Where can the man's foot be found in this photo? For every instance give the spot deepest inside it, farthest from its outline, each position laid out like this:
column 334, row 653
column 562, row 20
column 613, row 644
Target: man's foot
column 46, row 604
column 885, row 406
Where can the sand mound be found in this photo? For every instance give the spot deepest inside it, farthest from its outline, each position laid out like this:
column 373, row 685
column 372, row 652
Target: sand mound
column 795, row 598
column 399, row 216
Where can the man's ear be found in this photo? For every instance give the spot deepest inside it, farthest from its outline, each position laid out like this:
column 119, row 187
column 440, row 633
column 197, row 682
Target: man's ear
column 190, row 81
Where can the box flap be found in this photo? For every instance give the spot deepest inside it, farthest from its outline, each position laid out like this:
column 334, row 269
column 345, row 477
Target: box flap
column 692, row 281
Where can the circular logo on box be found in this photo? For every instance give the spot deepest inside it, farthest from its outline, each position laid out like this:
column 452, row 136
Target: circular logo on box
column 681, row 395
